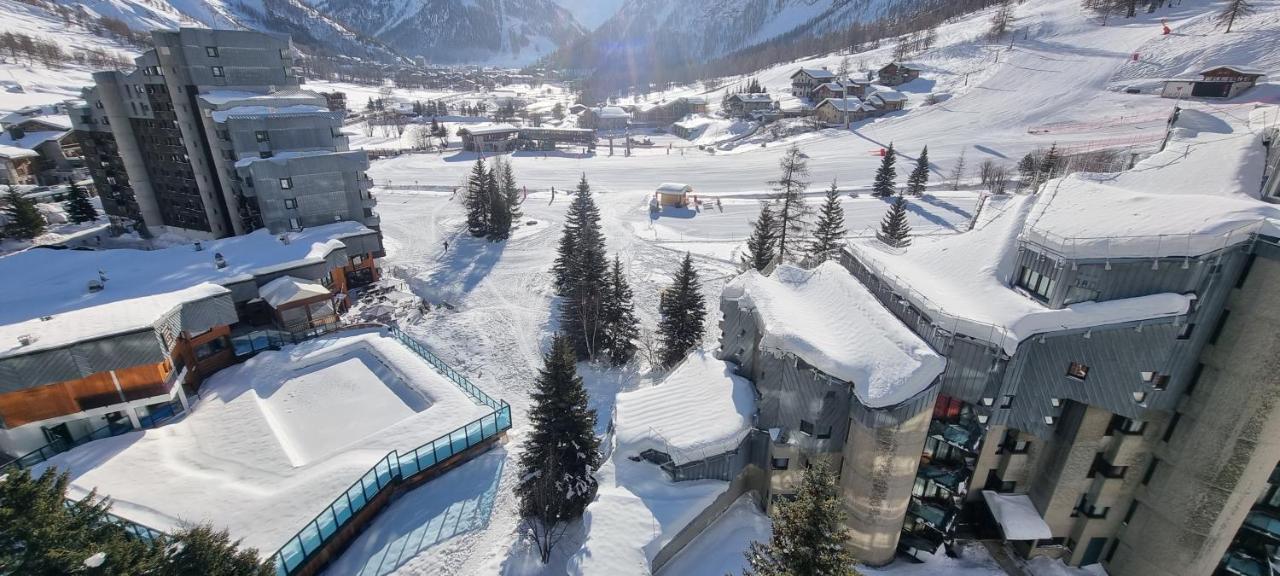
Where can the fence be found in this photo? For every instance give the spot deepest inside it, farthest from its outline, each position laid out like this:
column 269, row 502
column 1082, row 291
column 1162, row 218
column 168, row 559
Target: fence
column 60, row 445
column 1155, row 246
column 395, row 468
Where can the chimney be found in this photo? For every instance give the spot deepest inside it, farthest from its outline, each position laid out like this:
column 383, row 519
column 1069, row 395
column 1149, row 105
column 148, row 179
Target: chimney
column 219, row 261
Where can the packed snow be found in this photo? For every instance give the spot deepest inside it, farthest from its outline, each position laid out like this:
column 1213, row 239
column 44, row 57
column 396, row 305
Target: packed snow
column 260, row 453
column 700, row 409
column 829, row 319
column 720, row 549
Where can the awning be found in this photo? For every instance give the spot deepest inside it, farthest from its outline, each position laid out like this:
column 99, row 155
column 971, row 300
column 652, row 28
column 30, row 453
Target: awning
column 287, row 289
column 1017, row 516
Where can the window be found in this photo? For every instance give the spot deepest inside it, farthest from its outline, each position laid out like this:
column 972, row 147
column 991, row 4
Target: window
column 1139, row 396
column 1185, row 333
column 211, row 51
column 357, row 260
column 806, row 427
column 1217, row 329
column 781, row 463
column 286, row 183
column 1049, row 420
column 284, row 53
column 216, row 70
column 261, row 136
column 228, row 155
column 1112, row 552
column 1151, row 471
column 1078, row 371
column 210, row 348
column 1128, row 515
column 1173, row 423
column 825, row 433
column 1160, row 381
column 1195, row 379
column 1055, row 402
column 265, row 154
column 1125, row 425
column 1006, row 401
column 294, row 224
column 1036, row 283
column 290, row 203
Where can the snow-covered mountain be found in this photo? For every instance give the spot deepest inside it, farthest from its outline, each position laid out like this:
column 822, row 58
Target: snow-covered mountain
column 696, row 30
column 591, row 13
column 461, row 31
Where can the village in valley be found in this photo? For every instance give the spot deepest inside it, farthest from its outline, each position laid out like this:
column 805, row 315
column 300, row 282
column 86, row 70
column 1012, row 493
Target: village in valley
column 978, row 290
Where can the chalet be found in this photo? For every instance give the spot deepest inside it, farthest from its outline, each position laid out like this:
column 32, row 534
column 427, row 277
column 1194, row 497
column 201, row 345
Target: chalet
column 888, row 100
column 686, row 129
column 827, row 90
column 673, row 194
column 857, row 87
column 17, row 165
column 492, row 138
column 335, row 101
column 45, row 132
column 697, row 104
column 749, row 105
column 1214, row 82
column 805, row 80
column 604, row 118
column 840, row 110
column 895, row 73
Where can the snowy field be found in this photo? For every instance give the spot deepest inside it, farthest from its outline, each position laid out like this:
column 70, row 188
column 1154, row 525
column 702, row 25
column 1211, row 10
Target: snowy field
column 274, row 440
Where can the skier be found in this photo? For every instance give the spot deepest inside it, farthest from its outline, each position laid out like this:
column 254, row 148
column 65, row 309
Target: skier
column 446, row 245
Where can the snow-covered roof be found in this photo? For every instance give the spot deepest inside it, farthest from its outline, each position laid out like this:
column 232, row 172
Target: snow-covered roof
column 888, row 96
column 816, row 73
column 489, row 129
column 754, row 97
column 611, row 112
column 905, row 65
column 830, row 320
column 287, row 289
column 833, row 86
column 221, row 116
column 962, row 281
column 220, row 98
column 30, row 140
column 284, row 157
column 842, row 104
column 39, row 283
column 57, row 121
column 14, row 152
column 695, row 99
column 1017, row 516
column 1244, row 70
column 674, row 187
column 701, row 409
column 120, row 317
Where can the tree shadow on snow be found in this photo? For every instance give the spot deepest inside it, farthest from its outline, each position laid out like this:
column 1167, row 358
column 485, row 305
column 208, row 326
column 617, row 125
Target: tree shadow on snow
column 456, row 503
column 943, row 204
column 918, row 210
column 468, row 261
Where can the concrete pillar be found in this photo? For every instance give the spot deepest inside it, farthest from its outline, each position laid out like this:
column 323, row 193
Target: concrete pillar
column 132, row 413
column 876, row 477
column 1224, row 447
column 182, row 396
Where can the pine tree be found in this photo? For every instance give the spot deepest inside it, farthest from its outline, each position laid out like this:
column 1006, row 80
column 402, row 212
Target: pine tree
column 25, row 220
column 886, row 175
column 477, row 200
column 808, row 532
column 499, row 212
column 828, row 233
column 78, row 206
column 894, row 230
column 762, row 243
column 202, row 551
column 790, row 210
column 683, row 312
column 1049, row 165
column 580, row 270
column 1234, row 9
column 621, row 327
column 511, row 191
column 561, row 452
column 920, row 175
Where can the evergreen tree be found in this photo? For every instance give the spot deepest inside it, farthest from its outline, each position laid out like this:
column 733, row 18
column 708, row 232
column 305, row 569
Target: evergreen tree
column 828, row 233
column 25, row 220
column 499, row 227
column 561, row 452
column 894, row 230
column 920, row 175
column 621, row 326
column 511, row 191
column 790, row 210
column 1049, row 165
column 683, row 312
column 202, row 551
column 886, row 175
column 477, row 200
column 580, row 271
column 808, row 532
column 1234, row 9
column 78, row 206
column 762, row 243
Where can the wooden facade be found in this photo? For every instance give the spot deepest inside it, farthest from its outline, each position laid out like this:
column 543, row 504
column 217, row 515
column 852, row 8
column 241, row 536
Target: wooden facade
column 72, row 396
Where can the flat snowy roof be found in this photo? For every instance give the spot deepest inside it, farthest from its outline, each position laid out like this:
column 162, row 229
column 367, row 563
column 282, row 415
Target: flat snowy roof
column 829, row 319
column 41, row 282
column 1017, row 516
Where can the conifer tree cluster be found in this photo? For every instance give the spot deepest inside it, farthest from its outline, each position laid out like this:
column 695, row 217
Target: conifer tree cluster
column 42, row 533
column 561, row 453
column 886, row 175
column 79, row 208
column 828, row 232
column 684, row 312
column 808, row 532
column 493, row 200
column 596, row 313
column 24, row 220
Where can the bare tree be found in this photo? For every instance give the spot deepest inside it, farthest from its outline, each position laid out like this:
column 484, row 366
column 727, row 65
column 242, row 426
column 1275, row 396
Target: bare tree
column 1001, row 20
column 1234, row 9
column 986, row 170
column 958, row 170
column 789, row 202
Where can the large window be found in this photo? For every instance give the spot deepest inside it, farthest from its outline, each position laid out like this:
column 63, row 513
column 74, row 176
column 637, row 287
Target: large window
column 1078, row 371
column 216, row 70
column 210, row 348
column 1036, row 283
column 211, row 51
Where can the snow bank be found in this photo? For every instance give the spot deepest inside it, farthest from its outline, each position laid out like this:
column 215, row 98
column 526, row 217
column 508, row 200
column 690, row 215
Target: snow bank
column 972, row 560
column 720, row 548
column 829, row 319
column 275, row 439
column 699, row 410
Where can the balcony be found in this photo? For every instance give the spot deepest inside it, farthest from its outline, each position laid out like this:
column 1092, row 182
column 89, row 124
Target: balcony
column 368, row 201
column 959, row 435
column 949, row 476
column 936, row 515
column 1264, row 522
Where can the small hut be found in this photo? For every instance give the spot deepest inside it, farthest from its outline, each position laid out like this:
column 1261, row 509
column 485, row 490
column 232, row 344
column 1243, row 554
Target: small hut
column 673, row 194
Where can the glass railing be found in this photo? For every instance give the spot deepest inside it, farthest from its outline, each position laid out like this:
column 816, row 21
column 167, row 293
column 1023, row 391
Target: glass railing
column 461, row 381
column 389, row 471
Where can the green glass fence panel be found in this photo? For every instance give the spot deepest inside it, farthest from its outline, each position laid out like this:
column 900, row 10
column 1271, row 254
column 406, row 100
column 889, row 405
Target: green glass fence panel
column 474, row 435
column 310, row 537
column 370, row 484
column 356, row 495
column 327, row 523
column 442, row 450
column 426, row 457
column 504, row 418
column 384, row 473
column 291, row 554
column 280, row 569
column 458, row 440
column 489, row 425
column 409, row 465
column 342, row 510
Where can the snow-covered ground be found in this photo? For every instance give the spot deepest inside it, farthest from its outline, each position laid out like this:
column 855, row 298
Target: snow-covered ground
column 274, row 440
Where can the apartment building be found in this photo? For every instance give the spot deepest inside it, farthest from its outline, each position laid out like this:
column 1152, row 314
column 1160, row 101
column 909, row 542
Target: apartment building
column 173, row 144
column 1086, row 374
column 94, row 342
